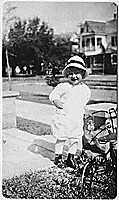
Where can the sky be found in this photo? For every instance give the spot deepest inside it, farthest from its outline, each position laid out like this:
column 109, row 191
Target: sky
column 64, row 16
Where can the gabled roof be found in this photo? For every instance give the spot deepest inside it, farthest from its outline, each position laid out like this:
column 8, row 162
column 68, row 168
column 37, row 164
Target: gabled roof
column 111, row 26
column 97, row 27
column 102, row 27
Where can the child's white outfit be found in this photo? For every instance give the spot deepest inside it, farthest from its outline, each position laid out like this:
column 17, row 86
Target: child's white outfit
column 67, row 124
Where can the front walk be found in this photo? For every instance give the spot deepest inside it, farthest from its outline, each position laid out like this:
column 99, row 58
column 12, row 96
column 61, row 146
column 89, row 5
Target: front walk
column 17, row 155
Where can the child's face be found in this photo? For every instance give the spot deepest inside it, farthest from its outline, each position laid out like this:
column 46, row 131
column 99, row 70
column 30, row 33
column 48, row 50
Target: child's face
column 74, row 75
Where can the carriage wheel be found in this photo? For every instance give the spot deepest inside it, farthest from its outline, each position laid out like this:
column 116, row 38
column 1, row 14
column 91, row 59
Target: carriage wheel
column 87, row 179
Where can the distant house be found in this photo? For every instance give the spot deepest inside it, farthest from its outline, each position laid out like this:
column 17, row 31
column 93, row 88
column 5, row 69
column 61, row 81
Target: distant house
column 98, row 41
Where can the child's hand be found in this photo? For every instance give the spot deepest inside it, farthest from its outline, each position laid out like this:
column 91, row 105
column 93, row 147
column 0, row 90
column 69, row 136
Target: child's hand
column 58, row 103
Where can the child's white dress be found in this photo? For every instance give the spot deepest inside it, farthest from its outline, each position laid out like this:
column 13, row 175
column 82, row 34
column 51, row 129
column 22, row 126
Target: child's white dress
column 68, row 122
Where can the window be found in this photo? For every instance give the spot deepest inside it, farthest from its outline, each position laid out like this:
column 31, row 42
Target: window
column 99, row 41
column 114, row 59
column 82, row 30
column 87, row 28
column 87, row 42
column 114, row 41
column 83, row 43
column 87, row 62
column 98, row 59
column 93, row 41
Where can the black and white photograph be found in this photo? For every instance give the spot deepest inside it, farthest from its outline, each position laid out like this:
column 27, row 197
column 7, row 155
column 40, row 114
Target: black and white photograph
column 59, row 100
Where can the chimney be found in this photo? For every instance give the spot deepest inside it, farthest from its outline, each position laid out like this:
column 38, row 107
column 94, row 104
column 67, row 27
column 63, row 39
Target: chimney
column 115, row 16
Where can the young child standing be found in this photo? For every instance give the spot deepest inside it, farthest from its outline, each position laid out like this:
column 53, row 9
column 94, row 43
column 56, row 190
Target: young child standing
column 70, row 99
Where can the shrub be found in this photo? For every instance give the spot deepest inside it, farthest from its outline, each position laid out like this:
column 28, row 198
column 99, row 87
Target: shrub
column 53, row 183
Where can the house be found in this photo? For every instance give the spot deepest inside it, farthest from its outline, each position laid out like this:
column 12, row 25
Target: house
column 98, row 41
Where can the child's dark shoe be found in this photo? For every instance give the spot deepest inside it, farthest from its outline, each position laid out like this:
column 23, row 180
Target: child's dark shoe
column 70, row 162
column 58, row 161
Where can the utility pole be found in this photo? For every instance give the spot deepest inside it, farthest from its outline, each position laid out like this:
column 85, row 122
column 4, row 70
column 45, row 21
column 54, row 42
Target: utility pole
column 9, row 71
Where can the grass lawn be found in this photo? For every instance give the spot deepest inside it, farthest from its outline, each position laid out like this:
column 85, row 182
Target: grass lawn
column 33, row 127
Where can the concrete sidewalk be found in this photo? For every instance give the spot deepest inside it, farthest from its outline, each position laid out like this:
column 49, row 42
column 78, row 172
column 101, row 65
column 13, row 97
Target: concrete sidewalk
column 17, row 158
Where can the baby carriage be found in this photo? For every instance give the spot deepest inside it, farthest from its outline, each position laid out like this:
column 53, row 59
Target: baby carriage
column 100, row 144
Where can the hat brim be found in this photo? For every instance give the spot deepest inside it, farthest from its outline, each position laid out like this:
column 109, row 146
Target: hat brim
column 78, row 66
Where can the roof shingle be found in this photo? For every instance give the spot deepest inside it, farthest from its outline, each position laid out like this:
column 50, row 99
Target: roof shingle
column 97, row 27
column 103, row 27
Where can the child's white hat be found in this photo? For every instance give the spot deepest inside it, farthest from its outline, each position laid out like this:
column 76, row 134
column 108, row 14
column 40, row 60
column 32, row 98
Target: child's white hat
column 77, row 62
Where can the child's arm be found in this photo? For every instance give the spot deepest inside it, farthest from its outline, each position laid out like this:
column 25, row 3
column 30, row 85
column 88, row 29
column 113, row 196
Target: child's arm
column 56, row 94
column 87, row 95
column 58, row 103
